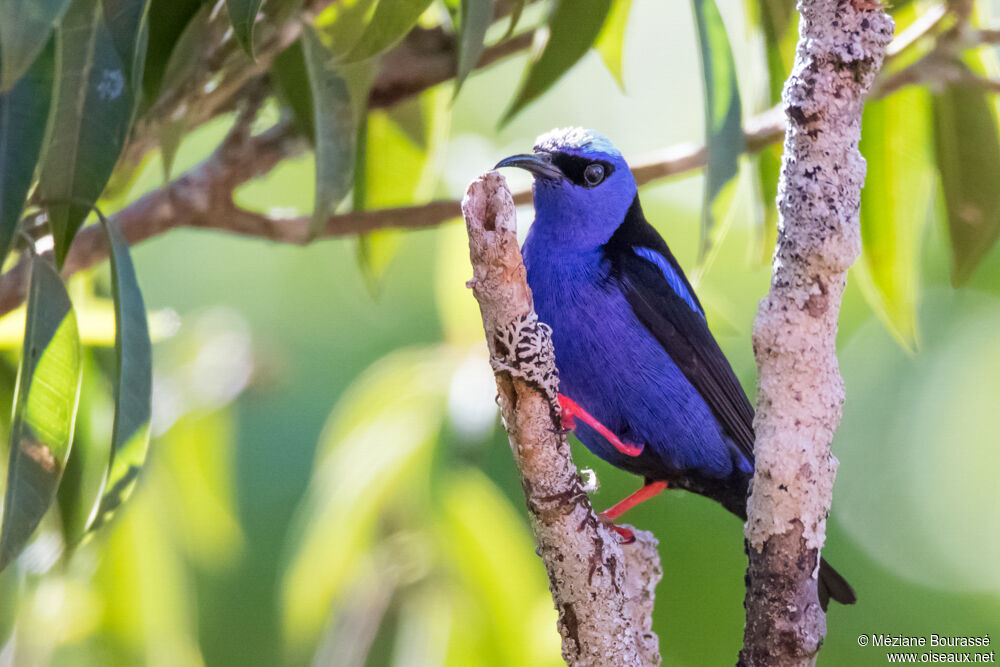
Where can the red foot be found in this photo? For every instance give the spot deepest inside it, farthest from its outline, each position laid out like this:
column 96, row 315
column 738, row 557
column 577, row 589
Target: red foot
column 570, row 411
column 626, row 535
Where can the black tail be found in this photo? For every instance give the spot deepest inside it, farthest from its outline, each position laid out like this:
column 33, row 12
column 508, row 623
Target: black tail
column 833, row 586
column 732, row 493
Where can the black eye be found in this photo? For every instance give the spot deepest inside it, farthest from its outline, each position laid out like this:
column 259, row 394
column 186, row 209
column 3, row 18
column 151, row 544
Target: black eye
column 594, row 173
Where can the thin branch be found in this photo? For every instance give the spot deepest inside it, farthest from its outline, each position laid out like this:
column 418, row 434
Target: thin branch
column 799, row 388
column 157, row 213
column 604, row 599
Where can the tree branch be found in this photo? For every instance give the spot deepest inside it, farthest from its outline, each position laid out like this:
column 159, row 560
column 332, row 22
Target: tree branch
column 604, row 597
column 799, row 388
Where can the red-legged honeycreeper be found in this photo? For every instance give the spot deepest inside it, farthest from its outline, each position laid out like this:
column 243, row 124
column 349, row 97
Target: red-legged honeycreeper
column 642, row 379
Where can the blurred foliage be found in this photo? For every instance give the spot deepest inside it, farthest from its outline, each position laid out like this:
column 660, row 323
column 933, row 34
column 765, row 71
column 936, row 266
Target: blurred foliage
column 327, row 482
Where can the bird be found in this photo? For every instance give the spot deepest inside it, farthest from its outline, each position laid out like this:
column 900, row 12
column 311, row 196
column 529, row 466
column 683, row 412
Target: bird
column 643, row 382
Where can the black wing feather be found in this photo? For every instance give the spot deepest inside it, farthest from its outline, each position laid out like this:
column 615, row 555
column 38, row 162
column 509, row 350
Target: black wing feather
column 682, row 332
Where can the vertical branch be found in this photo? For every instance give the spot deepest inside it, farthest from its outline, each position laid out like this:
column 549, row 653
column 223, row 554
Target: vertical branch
column 799, row 393
column 604, row 596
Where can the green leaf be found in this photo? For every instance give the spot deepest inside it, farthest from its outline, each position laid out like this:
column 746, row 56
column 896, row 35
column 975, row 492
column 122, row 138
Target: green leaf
column 572, row 29
column 133, row 379
column 336, row 129
column 611, row 42
column 968, row 157
column 390, row 23
column 477, row 15
column 894, row 206
column 243, row 16
column 778, row 19
column 168, row 20
column 128, row 24
column 292, row 83
column 723, row 130
column 48, row 389
column 23, row 113
column 93, row 109
column 24, row 32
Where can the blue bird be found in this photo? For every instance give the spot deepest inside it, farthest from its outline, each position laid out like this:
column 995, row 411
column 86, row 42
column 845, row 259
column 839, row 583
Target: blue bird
column 639, row 369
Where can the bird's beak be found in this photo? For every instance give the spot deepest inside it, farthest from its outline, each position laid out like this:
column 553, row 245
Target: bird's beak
column 539, row 164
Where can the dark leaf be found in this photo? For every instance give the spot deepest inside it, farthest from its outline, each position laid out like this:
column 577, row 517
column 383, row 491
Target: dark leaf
column 390, row 23
column 93, row 109
column 968, row 158
column 133, row 379
column 25, row 26
column 572, row 29
column 243, row 16
column 723, row 130
column 476, row 18
column 23, row 112
column 336, row 129
column 48, row 388
column 168, row 20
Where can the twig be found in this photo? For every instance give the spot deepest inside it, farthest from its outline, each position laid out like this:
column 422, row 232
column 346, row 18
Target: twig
column 604, row 599
column 799, row 388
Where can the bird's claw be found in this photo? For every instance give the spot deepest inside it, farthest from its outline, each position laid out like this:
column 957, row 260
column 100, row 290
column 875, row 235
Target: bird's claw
column 625, row 535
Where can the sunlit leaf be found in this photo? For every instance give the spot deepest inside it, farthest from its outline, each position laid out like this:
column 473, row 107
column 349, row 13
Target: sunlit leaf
column 335, row 129
column 572, row 29
column 342, row 23
column 133, row 379
column 777, row 21
column 723, row 130
column 611, row 42
column 399, row 403
column 23, row 112
column 768, row 171
column 243, row 16
column 93, row 108
column 390, row 23
column 967, row 149
column 894, row 206
column 476, row 18
column 24, row 32
column 48, row 389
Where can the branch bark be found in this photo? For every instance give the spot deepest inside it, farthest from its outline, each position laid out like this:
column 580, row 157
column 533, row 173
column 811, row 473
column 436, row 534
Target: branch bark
column 602, row 591
column 799, row 388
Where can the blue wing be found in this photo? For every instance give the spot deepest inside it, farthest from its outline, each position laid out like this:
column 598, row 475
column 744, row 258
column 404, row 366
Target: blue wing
column 662, row 298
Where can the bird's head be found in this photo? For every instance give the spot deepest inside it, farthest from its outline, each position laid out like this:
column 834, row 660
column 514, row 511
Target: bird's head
column 583, row 187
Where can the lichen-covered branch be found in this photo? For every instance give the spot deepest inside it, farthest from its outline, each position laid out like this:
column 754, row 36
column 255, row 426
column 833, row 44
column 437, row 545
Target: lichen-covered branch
column 602, row 590
column 799, row 392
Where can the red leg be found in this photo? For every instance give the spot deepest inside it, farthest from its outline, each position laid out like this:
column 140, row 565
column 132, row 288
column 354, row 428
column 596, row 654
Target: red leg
column 643, row 494
column 570, row 410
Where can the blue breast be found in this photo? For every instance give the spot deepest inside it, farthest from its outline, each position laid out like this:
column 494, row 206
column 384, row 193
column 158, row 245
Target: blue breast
column 617, row 371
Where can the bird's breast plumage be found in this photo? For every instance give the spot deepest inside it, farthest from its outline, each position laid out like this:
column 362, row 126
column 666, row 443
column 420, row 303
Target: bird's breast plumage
column 616, row 370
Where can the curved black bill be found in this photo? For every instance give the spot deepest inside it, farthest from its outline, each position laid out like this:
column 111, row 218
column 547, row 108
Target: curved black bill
column 539, row 164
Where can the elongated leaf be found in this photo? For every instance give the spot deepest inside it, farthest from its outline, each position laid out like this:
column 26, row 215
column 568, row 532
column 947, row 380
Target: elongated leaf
column 292, row 82
column 48, row 389
column 133, row 379
column 968, row 157
column 93, row 109
column 390, row 23
column 128, row 25
column 611, row 42
column 476, row 18
column 23, row 112
column 25, row 26
column 515, row 16
column 777, row 21
column 572, row 29
column 335, row 129
column 243, row 16
column 167, row 21
column 894, row 207
column 723, row 130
